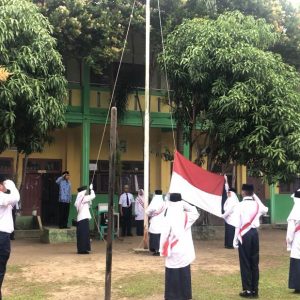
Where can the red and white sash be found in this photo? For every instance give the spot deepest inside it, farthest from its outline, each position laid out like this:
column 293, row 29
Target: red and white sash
column 140, row 201
column 162, row 209
column 297, row 229
column 171, row 242
column 246, row 227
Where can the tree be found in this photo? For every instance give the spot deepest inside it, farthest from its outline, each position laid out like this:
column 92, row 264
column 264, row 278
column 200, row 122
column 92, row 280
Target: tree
column 92, row 31
column 280, row 13
column 245, row 98
column 32, row 97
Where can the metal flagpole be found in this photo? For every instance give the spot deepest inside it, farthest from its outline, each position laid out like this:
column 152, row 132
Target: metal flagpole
column 147, row 122
column 110, row 229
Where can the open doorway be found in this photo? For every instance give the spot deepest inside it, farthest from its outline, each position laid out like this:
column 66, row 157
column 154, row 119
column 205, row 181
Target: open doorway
column 40, row 191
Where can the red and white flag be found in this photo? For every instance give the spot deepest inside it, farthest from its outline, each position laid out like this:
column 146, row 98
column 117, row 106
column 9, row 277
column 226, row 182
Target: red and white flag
column 196, row 185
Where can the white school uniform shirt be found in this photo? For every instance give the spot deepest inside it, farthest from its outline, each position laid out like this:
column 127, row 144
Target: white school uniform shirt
column 156, row 210
column 123, row 199
column 292, row 237
column 82, row 204
column 176, row 242
column 139, row 208
column 251, row 207
column 7, row 202
column 229, row 206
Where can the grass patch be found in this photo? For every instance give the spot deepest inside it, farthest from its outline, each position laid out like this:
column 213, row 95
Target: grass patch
column 140, row 285
column 17, row 287
column 12, row 269
column 209, row 286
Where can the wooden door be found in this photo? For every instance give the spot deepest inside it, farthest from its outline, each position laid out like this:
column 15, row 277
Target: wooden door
column 31, row 194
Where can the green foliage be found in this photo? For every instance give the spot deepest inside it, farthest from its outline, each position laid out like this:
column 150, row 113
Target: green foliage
column 280, row 13
column 89, row 30
column 32, row 98
column 243, row 95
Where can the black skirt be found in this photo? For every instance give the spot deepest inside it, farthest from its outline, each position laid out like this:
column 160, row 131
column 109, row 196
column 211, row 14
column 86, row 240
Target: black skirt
column 83, row 236
column 154, row 240
column 294, row 276
column 178, row 284
column 229, row 235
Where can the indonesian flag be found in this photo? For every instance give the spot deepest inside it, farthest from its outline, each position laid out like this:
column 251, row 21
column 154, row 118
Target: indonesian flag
column 196, row 185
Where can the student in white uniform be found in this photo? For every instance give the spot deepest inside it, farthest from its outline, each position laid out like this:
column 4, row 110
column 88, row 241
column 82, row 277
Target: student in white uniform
column 82, row 204
column 155, row 211
column 293, row 243
column 176, row 245
column 125, row 207
column 231, row 202
column 246, row 220
column 9, row 196
column 139, row 210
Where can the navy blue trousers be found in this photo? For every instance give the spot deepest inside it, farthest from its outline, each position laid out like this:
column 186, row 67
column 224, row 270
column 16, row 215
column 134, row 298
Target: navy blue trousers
column 4, row 255
column 249, row 260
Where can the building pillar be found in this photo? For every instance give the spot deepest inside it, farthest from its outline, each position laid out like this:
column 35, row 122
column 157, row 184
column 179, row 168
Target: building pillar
column 86, row 126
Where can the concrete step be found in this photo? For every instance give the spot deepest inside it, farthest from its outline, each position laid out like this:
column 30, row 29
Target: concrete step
column 28, row 234
column 52, row 235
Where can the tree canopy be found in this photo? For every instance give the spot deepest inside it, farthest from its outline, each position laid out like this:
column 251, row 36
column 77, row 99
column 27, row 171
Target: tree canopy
column 32, row 96
column 92, row 31
column 245, row 97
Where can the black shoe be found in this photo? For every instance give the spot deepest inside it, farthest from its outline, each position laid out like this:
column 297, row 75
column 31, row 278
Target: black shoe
column 297, row 291
column 255, row 294
column 83, row 252
column 156, row 254
column 246, row 294
column 129, row 234
column 229, row 247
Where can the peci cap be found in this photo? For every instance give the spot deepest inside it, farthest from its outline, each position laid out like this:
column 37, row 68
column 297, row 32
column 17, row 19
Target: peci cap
column 248, row 188
column 175, row 197
column 158, row 192
column 82, row 188
column 297, row 194
column 66, row 173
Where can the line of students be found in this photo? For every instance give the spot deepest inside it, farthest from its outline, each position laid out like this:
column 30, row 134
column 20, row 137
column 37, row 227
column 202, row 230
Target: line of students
column 175, row 218
column 170, row 228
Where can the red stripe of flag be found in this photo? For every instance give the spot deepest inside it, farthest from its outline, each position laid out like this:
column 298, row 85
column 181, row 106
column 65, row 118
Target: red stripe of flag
column 201, row 179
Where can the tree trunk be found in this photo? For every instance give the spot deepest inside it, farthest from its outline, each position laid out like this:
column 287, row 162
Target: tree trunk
column 180, row 138
column 22, row 184
column 16, row 175
column 234, row 166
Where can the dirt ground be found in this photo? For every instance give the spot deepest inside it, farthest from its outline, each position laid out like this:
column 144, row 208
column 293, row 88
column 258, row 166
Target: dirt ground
column 59, row 265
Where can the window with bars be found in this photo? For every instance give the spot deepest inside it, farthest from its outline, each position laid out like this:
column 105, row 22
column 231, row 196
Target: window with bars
column 289, row 187
column 6, row 167
column 131, row 171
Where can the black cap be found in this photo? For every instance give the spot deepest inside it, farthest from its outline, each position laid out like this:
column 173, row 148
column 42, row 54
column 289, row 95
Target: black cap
column 297, row 194
column 232, row 190
column 2, row 178
column 66, row 173
column 175, row 197
column 248, row 188
column 158, row 192
column 82, row 188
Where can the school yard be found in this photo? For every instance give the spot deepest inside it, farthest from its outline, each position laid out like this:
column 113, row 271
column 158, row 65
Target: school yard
column 42, row 271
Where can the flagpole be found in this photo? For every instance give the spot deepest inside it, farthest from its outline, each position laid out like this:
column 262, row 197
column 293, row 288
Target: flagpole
column 147, row 122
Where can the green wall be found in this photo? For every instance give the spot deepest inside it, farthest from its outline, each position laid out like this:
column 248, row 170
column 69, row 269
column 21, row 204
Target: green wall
column 283, row 204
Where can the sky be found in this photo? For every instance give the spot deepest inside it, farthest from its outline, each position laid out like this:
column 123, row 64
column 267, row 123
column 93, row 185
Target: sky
column 295, row 2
